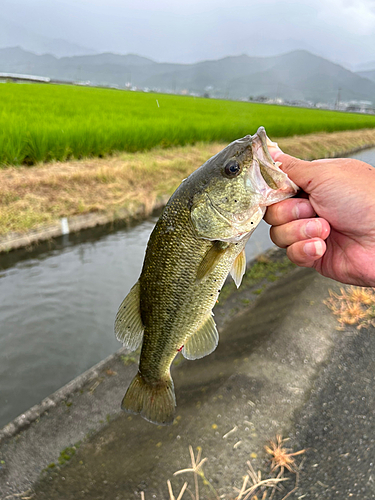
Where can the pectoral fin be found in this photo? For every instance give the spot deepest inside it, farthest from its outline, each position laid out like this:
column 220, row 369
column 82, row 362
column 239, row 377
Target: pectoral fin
column 211, row 259
column 239, row 268
column 203, row 341
column 128, row 324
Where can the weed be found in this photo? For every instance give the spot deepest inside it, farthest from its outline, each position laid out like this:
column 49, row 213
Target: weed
column 129, row 359
column 262, row 270
column 67, row 454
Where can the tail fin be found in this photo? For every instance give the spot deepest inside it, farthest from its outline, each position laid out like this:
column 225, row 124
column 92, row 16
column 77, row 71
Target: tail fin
column 155, row 402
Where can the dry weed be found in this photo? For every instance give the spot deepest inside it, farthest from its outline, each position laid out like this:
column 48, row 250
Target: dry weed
column 353, row 306
column 258, row 486
column 253, row 484
column 281, row 458
column 322, row 145
column 196, row 469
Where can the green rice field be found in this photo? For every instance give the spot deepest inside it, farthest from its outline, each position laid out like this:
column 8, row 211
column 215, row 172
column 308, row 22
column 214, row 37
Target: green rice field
column 40, row 123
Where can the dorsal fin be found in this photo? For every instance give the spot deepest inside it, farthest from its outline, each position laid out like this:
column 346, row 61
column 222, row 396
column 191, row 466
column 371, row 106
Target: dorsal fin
column 239, row 268
column 128, row 324
column 203, row 341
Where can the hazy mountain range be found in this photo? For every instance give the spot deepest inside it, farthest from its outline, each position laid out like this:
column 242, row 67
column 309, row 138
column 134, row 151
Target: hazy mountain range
column 297, row 75
column 12, row 34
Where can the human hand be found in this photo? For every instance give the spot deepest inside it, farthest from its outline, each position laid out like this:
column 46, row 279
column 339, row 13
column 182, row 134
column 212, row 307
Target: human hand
column 340, row 242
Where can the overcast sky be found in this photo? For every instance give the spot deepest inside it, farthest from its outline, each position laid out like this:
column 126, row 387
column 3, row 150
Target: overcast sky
column 175, row 31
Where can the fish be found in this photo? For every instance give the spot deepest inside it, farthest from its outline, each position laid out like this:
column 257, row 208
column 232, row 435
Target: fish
column 198, row 240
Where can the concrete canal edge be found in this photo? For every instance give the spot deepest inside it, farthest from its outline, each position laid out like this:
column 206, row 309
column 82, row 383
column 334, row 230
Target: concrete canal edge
column 24, row 420
column 77, row 223
column 275, row 336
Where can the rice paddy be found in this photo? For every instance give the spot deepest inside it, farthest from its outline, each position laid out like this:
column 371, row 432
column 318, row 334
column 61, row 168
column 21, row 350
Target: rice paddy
column 42, row 123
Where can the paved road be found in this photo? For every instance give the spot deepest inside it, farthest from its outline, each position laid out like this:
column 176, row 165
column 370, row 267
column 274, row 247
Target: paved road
column 337, row 424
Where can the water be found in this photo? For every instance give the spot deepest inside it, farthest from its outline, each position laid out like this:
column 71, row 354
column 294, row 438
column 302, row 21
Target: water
column 367, row 155
column 57, row 308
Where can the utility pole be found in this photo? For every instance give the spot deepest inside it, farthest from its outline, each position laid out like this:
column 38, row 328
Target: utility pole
column 337, row 103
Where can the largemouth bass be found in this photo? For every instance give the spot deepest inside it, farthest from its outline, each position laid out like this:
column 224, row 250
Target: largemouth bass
column 199, row 238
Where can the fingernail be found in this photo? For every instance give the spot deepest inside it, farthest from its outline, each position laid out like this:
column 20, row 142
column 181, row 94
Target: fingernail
column 271, row 144
column 302, row 210
column 313, row 248
column 313, row 228
column 274, row 152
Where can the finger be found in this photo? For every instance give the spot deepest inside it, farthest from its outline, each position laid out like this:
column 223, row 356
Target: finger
column 298, row 230
column 288, row 210
column 306, row 253
column 301, row 172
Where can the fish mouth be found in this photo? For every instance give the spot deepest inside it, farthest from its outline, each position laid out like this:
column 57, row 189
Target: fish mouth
column 260, row 140
column 269, row 178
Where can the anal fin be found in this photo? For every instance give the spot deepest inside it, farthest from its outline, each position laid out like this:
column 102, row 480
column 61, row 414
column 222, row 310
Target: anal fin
column 203, row 341
column 239, row 268
column 128, row 324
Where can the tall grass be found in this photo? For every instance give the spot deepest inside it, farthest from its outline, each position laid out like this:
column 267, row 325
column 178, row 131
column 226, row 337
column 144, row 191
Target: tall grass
column 41, row 123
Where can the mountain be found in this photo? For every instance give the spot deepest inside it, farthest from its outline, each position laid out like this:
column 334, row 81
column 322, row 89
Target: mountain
column 368, row 74
column 297, row 75
column 12, row 34
column 369, row 66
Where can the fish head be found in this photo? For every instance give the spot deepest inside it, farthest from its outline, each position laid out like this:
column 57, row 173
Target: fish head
column 235, row 187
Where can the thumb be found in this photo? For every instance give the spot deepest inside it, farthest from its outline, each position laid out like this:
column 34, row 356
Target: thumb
column 299, row 171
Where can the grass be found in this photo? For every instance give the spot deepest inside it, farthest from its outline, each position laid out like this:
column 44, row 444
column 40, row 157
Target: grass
column 67, row 454
column 33, row 197
column 43, row 123
column 262, row 271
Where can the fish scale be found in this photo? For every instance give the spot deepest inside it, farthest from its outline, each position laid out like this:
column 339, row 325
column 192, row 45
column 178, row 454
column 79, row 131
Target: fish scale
column 167, row 285
column 199, row 238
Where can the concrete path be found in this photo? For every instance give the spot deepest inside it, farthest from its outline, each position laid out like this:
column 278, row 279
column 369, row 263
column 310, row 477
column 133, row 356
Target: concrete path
column 281, row 367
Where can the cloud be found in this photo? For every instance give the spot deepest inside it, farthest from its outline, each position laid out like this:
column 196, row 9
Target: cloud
column 166, row 30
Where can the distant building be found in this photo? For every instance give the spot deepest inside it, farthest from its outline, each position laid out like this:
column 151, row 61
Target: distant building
column 14, row 77
column 359, row 106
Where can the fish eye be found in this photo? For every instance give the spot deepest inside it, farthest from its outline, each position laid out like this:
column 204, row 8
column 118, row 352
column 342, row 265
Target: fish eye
column 232, row 168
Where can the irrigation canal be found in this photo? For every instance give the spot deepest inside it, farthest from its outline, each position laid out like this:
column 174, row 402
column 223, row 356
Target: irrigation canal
column 58, row 303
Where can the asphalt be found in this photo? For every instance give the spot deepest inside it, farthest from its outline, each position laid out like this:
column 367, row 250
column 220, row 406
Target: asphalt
column 281, row 367
column 337, row 425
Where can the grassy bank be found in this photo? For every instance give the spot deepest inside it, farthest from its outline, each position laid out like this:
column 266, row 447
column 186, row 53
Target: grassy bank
column 40, row 123
column 30, row 197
